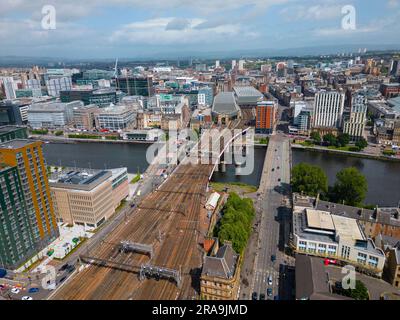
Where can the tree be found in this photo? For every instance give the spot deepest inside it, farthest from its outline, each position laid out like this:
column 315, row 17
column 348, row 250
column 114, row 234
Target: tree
column 316, row 137
column 309, row 179
column 362, row 144
column 343, row 140
column 360, row 292
column 350, row 187
column 235, row 224
column 330, row 139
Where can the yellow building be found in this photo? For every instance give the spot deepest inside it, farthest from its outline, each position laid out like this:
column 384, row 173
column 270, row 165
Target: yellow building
column 220, row 275
column 27, row 156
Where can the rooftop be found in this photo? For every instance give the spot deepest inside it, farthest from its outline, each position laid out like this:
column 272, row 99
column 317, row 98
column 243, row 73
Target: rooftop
column 248, row 95
column 73, row 178
column 15, row 144
column 225, row 103
column 319, row 219
column 52, row 106
column 6, row 129
column 223, row 265
column 312, row 280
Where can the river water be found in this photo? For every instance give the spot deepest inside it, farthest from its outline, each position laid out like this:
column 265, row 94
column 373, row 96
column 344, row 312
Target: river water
column 383, row 176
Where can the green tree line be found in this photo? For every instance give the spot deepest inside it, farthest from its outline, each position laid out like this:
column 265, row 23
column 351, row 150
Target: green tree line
column 350, row 186
column 236, row 222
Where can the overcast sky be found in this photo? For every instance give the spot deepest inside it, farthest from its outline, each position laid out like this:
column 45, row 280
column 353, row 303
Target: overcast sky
column 129, row 28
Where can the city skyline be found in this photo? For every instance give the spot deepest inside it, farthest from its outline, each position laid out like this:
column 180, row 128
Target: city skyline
column 119, row 28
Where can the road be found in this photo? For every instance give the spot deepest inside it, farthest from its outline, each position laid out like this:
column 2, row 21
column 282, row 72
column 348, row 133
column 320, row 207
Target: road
column 272, row 203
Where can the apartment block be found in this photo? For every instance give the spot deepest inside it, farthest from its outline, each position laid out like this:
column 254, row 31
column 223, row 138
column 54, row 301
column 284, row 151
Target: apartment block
column 328, row 109
column 27, row 157
column 265, row 117
column 354, row 124
column 17, row 242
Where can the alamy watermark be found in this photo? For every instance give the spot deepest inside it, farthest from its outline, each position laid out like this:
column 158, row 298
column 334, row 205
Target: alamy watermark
column 213, row 147
column 349, row 19
column 49, row 19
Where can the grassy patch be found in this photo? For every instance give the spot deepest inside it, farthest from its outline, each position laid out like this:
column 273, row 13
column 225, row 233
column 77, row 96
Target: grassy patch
column 220, row 187
column 38, row 131
column 307, row 144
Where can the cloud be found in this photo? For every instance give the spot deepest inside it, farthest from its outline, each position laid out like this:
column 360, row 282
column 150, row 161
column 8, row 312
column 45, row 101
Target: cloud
column 393, row 3
column 178, row 24
column 157, row 32
column 378, row 26
column 314, row 12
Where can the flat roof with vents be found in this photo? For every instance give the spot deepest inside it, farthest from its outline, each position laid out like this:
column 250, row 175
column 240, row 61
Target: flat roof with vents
column 317, row 219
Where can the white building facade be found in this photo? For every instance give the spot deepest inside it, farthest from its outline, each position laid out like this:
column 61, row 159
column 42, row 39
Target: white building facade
column 328, row 109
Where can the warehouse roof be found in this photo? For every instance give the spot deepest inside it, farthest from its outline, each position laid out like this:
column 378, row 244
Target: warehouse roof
column 225, row 103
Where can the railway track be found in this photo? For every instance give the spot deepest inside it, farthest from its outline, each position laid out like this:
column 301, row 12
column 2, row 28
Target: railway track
column 162, row 215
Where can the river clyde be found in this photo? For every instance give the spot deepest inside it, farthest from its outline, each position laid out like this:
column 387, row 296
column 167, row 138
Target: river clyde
column 383, row 176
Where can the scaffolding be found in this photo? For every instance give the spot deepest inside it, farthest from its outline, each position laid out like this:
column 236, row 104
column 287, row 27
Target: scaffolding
column 126, row 246
column 147, row 270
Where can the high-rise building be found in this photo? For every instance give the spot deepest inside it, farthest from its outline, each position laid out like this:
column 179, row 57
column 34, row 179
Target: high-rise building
column 17, row 242
column 33, row 84
column 233, row 64
column 241, row 65
column 354, row 124
column 55, row 85
column 328, row 109
column 281, row 70
column 136, row 86
column 265, row 117
column 217, row 65
column 27, row 157
column 8, row 87
column 395, row 68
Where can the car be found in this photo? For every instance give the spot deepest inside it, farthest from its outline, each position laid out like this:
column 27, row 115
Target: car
column 254, row 296
column 26, row 298
column 133, row 205
column 71, row 269
column 33, row 290
column 279, row 180
column 64, row 267
column 278, row 167
column 262, row 296
column 269, row 292
column 270, row 280
column 273, row 258
column 273, row 169
column 15, row 290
